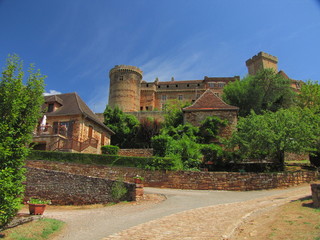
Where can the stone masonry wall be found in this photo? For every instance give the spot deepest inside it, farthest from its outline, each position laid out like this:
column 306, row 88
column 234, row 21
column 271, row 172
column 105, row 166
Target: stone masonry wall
column 66, row 188
column 136, row 152
column 234, row 181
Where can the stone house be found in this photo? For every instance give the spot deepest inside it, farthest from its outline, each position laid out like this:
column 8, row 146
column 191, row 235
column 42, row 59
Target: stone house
column 68, row 124
column 207, row 105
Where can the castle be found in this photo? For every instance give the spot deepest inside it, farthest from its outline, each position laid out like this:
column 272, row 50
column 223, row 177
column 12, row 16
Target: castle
column 134, row 95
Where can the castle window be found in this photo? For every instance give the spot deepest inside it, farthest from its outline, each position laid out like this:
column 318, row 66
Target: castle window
column 198, row 84
column 220, row 84
column 141, row 108
column 167, row 86
column 121, row 78
column 217, row 94
column 177, row 85
column 147, row 108
column 188, row 85
column 180, row 97
column 211, row 84
column 163, row 97
column 147, row 85
column 158, row 86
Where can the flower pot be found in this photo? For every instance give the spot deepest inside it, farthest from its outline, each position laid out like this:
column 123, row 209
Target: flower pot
column 36, row 209
column 137, row 181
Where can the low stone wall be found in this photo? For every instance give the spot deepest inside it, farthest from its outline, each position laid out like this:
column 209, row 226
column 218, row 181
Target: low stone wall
column 65, row 188
column 296, row 157
column 234, row 181
column 136, row 152
column 315, row 189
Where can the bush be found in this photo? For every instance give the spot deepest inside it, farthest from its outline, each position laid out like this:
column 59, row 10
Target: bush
column 118, row 190
column 110, row 150
column 163, row 163
column 85, row 158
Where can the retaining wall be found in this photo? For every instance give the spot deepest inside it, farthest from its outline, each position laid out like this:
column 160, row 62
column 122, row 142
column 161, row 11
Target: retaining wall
column 66, row 188
column 234, row 181
column 148, row 152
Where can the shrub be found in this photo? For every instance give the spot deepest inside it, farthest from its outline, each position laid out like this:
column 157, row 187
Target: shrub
column 110, row 150
column 118, row 190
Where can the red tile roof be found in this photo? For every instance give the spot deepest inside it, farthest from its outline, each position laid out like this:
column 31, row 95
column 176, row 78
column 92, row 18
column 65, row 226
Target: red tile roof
column 209, row 101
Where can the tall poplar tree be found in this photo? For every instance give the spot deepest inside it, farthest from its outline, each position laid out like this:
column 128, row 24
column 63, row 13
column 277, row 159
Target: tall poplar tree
column 20, row 108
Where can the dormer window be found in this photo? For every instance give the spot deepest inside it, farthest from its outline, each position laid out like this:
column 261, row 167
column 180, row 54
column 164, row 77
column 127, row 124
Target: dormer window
column 50, row 107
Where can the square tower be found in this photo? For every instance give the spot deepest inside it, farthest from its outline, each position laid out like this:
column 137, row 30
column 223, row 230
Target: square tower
column 261, row 61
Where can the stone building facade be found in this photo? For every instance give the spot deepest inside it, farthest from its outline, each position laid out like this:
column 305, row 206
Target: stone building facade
column 69, row 125
column 132, row 94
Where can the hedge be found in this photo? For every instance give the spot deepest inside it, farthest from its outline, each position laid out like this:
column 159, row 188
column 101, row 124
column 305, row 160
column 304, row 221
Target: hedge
column 86, row 158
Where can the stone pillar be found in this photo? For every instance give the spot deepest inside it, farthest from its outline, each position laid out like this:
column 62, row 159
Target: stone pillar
column 315, row 189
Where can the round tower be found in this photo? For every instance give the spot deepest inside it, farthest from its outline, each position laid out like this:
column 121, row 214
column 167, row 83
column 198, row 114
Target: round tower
column 124, row 89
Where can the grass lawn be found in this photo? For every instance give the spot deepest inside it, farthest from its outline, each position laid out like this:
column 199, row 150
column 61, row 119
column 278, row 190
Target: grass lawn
column 35, row 230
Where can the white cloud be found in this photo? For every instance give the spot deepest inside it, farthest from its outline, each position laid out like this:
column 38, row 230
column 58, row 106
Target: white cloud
column 51, row 92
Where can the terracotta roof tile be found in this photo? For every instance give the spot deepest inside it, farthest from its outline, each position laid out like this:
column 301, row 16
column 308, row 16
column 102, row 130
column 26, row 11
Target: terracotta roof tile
column 72, row 104
column 209, row 101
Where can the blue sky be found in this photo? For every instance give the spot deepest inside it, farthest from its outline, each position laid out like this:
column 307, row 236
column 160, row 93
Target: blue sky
column 76, row 43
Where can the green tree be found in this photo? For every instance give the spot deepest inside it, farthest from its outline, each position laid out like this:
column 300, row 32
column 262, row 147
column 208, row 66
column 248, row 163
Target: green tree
column 266, row 90
column 20, row 110
column 309, row 96
column 148, row 128
column 270, row 135
column 173, row 115
column 124, row 125
column 210, row 128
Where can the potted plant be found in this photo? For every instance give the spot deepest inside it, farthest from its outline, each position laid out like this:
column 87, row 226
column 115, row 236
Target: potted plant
column 138, row 179
column 37, row 206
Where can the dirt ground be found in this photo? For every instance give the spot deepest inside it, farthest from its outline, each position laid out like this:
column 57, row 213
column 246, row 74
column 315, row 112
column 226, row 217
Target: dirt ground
column 297, row 220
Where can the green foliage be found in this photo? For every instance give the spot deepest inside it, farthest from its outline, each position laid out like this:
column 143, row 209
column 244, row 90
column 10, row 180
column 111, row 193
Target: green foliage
column 110, row 150
column 163, row 163
column 19, row 113
column 118, row 190
column 270, row 135
column 210, row 129
column 124, row 125
column 212, row 152
column 148, row 128
column 173, row 114
column 266, row 90
column 86, row 158
column 183, row 151
column 309, row 96
column 38, row 201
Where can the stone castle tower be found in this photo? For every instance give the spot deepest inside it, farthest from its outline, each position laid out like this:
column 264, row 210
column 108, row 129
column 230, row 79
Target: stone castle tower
column 124, row 89
column 261, row 61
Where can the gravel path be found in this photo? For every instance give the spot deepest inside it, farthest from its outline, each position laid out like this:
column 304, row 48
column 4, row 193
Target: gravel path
column 185, row 214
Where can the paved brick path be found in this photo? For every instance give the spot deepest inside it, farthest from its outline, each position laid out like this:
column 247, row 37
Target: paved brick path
column 213, row 222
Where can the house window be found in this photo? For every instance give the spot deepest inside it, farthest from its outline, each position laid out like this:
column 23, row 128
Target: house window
column 50, row 107
column 90, row 132
column 217, row 94
column 147, row 85
column 198, row 84
column 198, row 95
column 167, row 86
column 188, row 85
column 211, row 84
column 163, row 97
column 141, row 108
column 102, row 139
column 158, row 86
column 147, row 108
column 180, row 97
column 176, row 85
